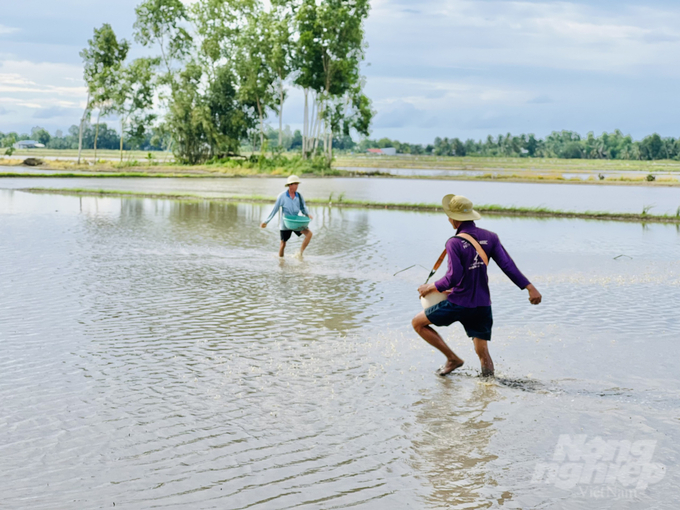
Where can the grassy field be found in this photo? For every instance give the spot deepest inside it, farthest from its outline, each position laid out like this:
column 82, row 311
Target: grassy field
column 403, row 161
column 88, row 154
column 136, row 164
column 506, row 164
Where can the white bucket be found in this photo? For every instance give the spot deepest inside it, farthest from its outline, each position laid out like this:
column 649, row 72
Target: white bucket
column 432, row 299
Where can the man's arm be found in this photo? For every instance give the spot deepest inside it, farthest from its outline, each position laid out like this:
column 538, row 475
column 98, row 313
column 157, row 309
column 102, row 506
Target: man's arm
column 303, row 207
column 508, row 266
column 271, row 214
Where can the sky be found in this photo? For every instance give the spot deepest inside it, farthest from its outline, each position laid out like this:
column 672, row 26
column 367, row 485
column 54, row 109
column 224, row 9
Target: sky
column 448, row 68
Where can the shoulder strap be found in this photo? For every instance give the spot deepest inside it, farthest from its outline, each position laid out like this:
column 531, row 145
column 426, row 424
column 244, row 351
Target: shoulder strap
column 302, row 200
column 482, row 254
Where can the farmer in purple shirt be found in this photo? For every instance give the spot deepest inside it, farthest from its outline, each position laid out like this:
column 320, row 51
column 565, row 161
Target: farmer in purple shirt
column 467, row 285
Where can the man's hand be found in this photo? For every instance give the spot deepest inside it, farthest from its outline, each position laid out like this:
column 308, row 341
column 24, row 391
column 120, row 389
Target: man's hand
column 534, row 296
column 426, row 288
column 310, row 216
column 264, row 225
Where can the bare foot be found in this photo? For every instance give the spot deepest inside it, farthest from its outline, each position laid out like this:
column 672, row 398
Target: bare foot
column 450, row 366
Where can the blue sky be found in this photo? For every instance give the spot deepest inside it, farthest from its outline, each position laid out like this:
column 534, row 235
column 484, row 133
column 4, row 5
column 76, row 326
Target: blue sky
column 463, row 68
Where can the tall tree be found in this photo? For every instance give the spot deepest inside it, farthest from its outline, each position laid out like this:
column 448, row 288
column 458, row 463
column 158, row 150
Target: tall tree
column 217, row 24
column 206, row 123
column 164, row 23
column 308, row 67
column 83, row 119
column 280, row 46
column 329, row 52
column 252, row 64
column 103, row 58
column 134, row 97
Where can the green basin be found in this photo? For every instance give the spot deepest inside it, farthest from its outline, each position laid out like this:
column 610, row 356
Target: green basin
column 295, row 222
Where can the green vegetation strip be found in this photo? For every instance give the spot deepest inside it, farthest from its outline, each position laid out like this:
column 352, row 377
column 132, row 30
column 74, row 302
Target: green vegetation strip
column 492, row 210
column 108, row 174
column 210, row 172
column 506, row 163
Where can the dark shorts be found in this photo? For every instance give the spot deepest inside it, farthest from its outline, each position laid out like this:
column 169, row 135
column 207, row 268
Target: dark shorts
column 285, row 234
column 476, row 321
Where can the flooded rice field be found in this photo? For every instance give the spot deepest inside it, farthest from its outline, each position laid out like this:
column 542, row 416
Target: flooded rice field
column 581, row 175
column 567, row 197
column 158, row 354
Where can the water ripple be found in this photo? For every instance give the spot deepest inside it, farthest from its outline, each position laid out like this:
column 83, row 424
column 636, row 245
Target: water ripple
column 158, row 354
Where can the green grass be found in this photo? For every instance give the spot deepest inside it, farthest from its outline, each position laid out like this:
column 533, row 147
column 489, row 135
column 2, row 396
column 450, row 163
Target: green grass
column 139, row 158
column 103, row 175
column 70, row 169
column 491, row 209
column 528, row 164
column 543, row 170
column 280, row 165
column 88, row 154
column 402, row 161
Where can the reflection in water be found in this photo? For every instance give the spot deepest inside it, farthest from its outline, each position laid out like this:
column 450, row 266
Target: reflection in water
column 221, row 268
column 567, row 197
column 452, row 452
column 158, row 354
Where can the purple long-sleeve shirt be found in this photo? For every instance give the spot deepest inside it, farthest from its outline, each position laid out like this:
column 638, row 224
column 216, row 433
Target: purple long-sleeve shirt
column 467, row 274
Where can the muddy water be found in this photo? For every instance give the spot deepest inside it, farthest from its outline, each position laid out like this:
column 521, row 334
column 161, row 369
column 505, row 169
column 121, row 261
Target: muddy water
column 567, row 197
column 157, row 354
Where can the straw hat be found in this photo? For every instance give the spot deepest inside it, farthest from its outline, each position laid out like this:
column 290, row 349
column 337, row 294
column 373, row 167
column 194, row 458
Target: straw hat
column 293, row 179
column 459, row 208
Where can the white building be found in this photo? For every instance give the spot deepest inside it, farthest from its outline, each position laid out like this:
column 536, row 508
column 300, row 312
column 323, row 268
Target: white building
column 28, row 144
column 387, row 151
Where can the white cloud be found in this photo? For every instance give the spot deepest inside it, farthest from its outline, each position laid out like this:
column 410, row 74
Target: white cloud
column 14, row 79
column 46, row 89
column 439, row 67
column 7, row 30
column 437, row 94
column 558, row 35
column 466, row 66
column 40, row 84
column 40, row 90
column 28, row 105
column 44, row 75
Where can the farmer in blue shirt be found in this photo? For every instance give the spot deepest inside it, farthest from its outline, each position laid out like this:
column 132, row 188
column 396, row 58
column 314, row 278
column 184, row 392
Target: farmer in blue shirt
column 467, row 284
column 292, row 203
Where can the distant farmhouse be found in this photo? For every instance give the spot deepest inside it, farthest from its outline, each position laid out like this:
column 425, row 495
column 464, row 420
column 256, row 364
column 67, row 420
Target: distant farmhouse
column 28, row 144
column 387, row 151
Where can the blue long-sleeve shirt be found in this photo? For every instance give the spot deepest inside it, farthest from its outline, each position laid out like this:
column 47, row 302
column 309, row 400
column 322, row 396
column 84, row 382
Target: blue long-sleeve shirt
column 467, row 274
column 291, row 206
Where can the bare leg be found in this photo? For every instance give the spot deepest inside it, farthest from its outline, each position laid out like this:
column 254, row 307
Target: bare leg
column 422, row 326
column 482, row 350
column 281, row 248
column 308, row 237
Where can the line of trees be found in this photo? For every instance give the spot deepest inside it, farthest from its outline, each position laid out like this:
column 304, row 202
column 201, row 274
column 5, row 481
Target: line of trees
column 285, row 139
column 155, row 139
column 224, row 67
column 88, row 136
column 559, row 144
column 563, row 144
